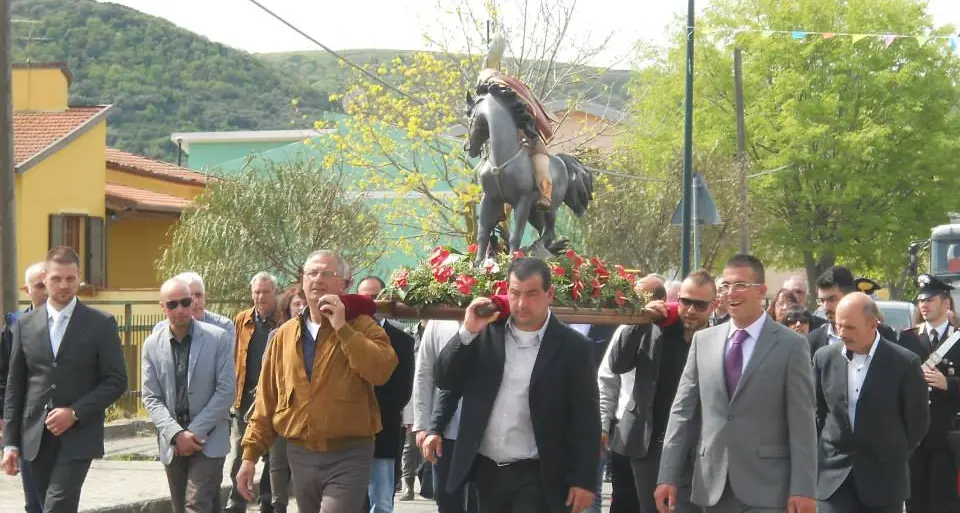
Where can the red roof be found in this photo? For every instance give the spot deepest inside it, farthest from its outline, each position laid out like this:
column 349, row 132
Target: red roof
column 124, row 161
column 123, row 197
column 35, row 132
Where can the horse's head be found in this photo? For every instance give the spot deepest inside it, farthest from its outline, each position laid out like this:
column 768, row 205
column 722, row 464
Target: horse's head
column 478, row 130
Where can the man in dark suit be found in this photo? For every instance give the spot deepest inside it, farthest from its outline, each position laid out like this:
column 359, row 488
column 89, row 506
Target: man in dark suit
column 872, row 412
column 933, row 469
column 530, row 419
column 658, row 356
column 392, row 396
column 835, row 283
column 66, row 369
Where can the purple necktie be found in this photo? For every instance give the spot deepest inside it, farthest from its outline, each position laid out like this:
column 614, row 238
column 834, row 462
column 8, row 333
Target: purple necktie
column 733, row 361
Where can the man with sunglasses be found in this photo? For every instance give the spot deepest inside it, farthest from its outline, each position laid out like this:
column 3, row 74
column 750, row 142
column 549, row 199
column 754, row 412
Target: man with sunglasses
column 188, row 388
column 34, row 287
column 658, row 356
column 198, row 307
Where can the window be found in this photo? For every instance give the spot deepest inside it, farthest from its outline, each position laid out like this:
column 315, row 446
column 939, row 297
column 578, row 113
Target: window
column 87, row 236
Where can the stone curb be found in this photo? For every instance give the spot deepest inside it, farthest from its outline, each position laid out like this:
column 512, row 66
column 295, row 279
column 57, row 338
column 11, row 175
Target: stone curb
column 162, row 505
column 127, row 429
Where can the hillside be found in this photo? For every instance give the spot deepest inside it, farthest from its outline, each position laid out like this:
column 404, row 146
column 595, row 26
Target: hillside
column 162, row 78
column 324, row 72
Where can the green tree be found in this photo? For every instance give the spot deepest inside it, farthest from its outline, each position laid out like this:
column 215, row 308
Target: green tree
column 864, row 133
column 269, row 217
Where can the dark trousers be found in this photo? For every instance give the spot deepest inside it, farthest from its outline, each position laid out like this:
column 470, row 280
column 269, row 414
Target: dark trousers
column 237, row 502
column 460, row 500
column 194, row 483
column 645, row 472
column 624, row 496
column 933, row 482
column 847, row 500
column 58, row 479
column 31, row 498
column 513, row 488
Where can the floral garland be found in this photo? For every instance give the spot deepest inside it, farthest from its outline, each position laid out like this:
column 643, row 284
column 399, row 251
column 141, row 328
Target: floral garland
column 449, row 278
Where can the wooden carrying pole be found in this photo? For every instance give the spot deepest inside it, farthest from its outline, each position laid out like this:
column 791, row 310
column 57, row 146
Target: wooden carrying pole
column 570, row 315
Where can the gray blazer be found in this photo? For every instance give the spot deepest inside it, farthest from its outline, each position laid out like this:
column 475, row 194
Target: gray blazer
column 211, row 388
column 763, row 438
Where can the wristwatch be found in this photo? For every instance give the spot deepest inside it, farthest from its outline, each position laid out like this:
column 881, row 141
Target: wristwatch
column 74, row 413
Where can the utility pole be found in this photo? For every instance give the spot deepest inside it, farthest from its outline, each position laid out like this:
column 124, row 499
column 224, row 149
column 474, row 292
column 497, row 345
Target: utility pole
column 741, row 152
column 8, row 226
column 687, row 150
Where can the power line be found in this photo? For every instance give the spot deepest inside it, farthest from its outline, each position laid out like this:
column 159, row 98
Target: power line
column 334, row 53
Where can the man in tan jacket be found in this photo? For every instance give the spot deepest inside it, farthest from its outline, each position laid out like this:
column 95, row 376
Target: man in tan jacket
column 316, row 391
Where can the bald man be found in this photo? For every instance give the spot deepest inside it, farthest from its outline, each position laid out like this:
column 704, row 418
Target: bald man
column 871, row 412
column 188, row 389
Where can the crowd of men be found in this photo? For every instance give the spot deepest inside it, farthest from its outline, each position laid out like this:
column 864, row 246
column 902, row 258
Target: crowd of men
column 717, row 404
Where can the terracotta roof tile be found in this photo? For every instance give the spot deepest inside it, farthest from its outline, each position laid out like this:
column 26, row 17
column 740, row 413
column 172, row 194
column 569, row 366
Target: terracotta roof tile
column 34, row 132
column 124, row 161
column 127, row 197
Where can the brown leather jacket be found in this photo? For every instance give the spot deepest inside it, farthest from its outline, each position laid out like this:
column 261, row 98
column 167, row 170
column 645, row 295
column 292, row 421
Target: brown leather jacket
column 335, row 409
column 244, row 324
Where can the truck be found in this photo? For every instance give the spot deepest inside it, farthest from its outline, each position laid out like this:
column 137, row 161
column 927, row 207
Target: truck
column 943, row 248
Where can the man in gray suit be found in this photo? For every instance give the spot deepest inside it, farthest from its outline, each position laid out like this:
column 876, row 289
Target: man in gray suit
column 747, row 395
column 188, row 388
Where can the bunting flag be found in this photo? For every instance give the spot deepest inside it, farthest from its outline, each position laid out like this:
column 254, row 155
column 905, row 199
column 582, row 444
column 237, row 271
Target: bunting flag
column 886, row 39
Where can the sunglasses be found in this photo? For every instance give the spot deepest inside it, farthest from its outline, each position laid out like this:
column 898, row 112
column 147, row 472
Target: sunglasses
column 696, row 304
column 796, row 320
column 185, row 302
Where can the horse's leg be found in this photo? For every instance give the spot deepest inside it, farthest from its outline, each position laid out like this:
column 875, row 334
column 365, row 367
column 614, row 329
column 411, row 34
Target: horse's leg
column 489, row 215
column 521, row 213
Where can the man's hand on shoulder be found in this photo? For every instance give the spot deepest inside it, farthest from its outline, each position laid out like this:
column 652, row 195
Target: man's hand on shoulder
column 797, row 504
column 472, row 321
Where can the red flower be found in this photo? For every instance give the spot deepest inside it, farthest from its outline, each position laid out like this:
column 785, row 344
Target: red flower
column 575, row 290
column 559, row 271
column 602, row 272
column 465, row 284
column 619, row 298
column 574, row 258
column 439, row 255
column 621, row 272
column 443, row 274
column 499, row 288
column 518, row 254
column 472, row 249
column 596, row 288
column 402, row 279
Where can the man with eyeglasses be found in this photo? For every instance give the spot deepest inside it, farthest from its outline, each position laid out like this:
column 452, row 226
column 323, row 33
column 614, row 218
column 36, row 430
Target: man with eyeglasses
column 835, row 283
column 37, row 291
column 657, row 356
column 198, row 306
column 252, row 327
column 746, row 404
column 188, row 388
column 317, row 392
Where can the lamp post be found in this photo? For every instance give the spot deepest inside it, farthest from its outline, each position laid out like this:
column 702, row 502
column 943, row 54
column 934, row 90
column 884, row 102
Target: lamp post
column 687, row 151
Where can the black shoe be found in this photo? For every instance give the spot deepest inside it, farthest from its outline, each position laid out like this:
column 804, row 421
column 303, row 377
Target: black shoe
column 266, row 507
column 279, row 508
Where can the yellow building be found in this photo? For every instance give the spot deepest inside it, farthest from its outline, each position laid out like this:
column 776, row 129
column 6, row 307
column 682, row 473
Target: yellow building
column 115, row 208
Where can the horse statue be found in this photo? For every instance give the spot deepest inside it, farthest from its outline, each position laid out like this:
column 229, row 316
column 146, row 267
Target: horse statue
column 507, row 175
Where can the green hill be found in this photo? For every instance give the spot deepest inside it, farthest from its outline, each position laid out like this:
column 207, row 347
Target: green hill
column 162, row 78
column 324, row 72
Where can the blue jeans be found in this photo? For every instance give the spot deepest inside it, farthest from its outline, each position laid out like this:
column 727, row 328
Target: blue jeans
column 382, row 485
column 598, row 498
column 33, row 502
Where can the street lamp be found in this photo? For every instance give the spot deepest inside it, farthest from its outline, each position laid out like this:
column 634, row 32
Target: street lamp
column 687, row 151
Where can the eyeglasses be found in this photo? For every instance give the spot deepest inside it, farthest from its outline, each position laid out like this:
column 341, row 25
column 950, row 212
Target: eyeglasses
column 828, row 299
column 740, row 286
column 314, row 273
column 185, row 302
column 696, row 304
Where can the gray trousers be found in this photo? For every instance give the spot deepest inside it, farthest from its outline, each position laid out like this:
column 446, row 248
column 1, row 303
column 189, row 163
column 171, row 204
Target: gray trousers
column 729, row 503
column 645, row 480
column 409, row 463
column 331, row 481
column 195, row 483
column 279, row 472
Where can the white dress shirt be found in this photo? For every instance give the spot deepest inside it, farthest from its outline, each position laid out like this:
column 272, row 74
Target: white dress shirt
column 57, row 321
column 509, row 435
column 857, row 369
column 753, row 332
column 832, row 337
column 435, row 336
column 616, row 390
column 941, row 330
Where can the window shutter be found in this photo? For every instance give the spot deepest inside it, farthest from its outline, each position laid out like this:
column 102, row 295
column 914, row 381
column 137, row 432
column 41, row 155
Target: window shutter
column 96, row 252
column 56, row 231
